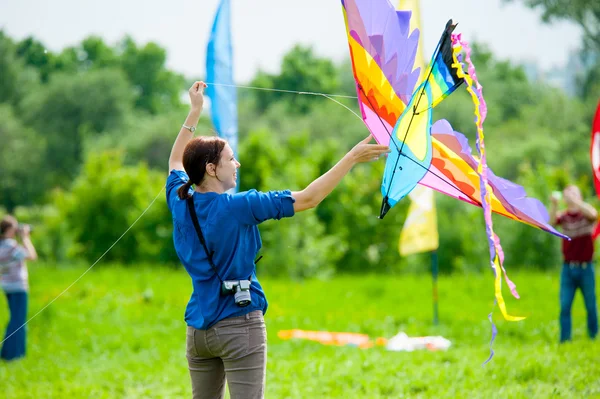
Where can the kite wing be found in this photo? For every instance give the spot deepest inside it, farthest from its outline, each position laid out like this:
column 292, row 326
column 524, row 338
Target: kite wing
column 382, row 51
column 453, row 171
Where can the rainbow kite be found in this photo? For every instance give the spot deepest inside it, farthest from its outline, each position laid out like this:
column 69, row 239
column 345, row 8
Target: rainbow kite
column 382, row 50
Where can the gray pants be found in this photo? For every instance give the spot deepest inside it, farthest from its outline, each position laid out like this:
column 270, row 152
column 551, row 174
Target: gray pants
column 234, row 348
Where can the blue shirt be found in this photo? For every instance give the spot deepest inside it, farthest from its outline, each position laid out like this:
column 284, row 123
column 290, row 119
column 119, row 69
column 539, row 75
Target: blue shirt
column 229, row 226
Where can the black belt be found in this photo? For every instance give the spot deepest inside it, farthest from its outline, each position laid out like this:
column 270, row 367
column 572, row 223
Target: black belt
column 582, row 265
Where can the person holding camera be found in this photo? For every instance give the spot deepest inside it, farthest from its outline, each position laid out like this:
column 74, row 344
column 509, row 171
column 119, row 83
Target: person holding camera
column 217, row 239
column 577, row 222
column 15, row 283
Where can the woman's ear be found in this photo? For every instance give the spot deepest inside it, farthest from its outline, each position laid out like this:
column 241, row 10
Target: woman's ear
column 211, row 169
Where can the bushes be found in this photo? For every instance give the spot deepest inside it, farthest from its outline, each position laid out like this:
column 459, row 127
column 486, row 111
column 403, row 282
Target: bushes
column 101, row 204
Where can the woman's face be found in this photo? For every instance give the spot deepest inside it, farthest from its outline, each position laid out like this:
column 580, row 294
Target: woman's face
column 227, row 169
column 10, row 232
column 572, row 195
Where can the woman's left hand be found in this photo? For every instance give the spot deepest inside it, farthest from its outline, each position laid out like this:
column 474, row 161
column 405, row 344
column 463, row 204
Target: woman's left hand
column 365, row 152
column 196, row 93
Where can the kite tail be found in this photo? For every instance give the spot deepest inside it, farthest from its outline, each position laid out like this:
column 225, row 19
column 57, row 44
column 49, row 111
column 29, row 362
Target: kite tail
column 496, row 252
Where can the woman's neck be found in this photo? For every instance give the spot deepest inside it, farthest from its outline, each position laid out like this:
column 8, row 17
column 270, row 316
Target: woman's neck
column 210, row 187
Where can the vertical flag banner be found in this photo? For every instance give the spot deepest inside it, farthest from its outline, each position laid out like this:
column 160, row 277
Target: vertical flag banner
column 415, row 23
column 420, row 233
column 219, row 74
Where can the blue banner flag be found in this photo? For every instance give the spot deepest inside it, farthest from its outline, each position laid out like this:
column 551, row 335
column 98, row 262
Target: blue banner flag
column 219, row 76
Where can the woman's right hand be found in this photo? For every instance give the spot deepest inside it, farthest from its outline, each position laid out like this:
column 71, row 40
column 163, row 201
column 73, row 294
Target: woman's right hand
column 24, row 231
column 196, row 93
column 365, row 152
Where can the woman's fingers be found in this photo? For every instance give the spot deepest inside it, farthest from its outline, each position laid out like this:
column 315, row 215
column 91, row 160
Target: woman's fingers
column 198, row 86
column 366, row 140
column 372, row 152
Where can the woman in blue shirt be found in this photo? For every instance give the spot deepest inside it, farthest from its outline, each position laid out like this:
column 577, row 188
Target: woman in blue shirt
column 226, row 335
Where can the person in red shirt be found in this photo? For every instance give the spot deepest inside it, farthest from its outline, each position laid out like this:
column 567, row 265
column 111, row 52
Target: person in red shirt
column 577, row 222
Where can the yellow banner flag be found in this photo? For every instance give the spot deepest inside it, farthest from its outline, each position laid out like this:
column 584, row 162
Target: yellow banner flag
column 415, row 23
column 420, row 233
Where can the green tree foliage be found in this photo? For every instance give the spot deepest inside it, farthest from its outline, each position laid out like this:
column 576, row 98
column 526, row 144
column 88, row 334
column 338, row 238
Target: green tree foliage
column 16, row 78
column 72, row 107
column 157, row 88
column 301, row 70
column 21, row 155
column 103, row 202
column 34, row 54
column 144, row 137
column 87, row 132
column 273, row 165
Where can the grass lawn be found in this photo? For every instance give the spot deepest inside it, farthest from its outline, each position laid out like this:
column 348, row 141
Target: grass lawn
column 119, row 333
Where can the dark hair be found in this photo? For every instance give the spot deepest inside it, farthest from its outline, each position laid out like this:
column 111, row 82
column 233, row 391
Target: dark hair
column 198, row 153
column 6, row 223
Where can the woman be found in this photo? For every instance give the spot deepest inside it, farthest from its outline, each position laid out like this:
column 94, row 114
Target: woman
column 14, row 280
column 226, row 335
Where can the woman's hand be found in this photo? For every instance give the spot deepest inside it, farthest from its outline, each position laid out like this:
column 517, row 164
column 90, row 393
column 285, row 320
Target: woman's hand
column 24, row 231
column 186, row 133
column 365, row 152
column 196, row 93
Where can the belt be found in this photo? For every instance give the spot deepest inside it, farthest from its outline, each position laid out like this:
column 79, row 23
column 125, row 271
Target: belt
column 582, row 265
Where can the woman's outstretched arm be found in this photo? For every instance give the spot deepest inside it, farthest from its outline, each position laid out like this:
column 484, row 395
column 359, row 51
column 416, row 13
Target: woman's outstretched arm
column 320, row 188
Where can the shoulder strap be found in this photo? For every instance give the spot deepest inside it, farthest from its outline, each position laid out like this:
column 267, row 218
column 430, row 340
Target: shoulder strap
column 192, row 210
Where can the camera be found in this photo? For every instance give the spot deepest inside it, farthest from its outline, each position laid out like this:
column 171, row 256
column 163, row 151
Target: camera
column 22, row 227
column 240, row 290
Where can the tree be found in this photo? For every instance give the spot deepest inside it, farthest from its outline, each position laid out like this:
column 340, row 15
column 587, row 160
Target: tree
column 72, row 107
column 34, row 53
column 21, row 154
column 158, row 89
column 107, row 198
column 301, row 70
column 16, row 78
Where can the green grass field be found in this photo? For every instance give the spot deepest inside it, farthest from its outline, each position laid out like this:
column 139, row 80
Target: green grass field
column 119, row 333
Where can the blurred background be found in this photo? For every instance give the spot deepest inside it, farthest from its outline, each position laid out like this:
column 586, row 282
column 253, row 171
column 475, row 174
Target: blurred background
column 92, row 95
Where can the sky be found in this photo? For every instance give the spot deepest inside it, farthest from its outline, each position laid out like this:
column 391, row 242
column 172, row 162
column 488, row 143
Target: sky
column 264, row 30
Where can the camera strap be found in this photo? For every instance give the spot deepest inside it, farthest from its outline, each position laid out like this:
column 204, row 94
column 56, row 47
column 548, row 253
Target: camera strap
column 192, row 210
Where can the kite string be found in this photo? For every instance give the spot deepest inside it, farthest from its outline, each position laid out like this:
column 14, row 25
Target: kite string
column 326, row 95
column 496, row 253
column 475, row 89
column 309, row 93
column 88, row 269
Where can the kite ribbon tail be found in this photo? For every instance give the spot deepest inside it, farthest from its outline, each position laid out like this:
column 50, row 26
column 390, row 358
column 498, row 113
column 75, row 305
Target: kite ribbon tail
column 498, row 293
column 496, row 252
column 494, row 333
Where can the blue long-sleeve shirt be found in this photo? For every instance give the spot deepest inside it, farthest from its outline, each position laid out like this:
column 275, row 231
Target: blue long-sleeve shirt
column 229, row 225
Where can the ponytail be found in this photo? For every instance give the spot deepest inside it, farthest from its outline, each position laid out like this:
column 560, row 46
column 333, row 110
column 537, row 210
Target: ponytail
column 183, row 191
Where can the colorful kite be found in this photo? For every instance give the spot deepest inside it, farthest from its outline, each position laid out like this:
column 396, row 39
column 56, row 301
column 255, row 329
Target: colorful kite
column 382, row 50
